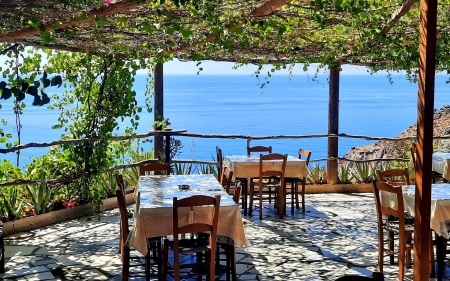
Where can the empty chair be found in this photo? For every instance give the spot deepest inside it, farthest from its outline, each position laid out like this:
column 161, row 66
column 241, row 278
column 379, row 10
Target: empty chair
column 257, row 149
column 226, row 179
column 200, row 246
column 403, row 229
column 153, row 244
column 394, row 176
column 302, row 154
column 271, row 166
column 226, row 245
column 155, row 168
column 219, row 162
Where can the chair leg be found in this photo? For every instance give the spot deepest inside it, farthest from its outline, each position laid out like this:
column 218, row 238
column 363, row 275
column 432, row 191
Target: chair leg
column 401, row 260
column 125, row 263
column 260, row 201
column 380, row 249
column 250, row 207
column 294, row 187
column 391, row 246
column 432, row 267
column 408, row 240
column 303, row 195
column 165, row 259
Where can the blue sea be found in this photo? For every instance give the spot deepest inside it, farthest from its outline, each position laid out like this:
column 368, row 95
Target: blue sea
column 235, row 104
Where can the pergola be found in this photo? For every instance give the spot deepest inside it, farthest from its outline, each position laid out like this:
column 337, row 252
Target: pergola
column 390, row 35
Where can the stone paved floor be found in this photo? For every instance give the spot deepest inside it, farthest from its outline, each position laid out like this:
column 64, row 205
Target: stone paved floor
column 337, row 236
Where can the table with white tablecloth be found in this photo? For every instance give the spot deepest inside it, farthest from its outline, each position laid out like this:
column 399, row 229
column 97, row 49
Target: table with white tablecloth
column 154, row 211
column 246, row 167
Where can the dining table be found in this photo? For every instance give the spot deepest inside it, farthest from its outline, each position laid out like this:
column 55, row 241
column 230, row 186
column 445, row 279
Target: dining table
column 246, row 167
column 440, row 164
column 153, row 215
column 440, row 210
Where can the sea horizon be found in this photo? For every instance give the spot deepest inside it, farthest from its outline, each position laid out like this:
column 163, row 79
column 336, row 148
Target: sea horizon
column 235, row 104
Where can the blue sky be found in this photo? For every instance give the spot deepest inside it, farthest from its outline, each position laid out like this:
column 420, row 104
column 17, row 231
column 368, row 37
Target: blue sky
column 211, row 67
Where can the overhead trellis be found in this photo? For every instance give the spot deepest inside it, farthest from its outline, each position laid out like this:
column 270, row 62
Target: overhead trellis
column 376, row 33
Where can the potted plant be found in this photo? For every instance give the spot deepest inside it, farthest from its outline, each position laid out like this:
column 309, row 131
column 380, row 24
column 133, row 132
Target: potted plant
column 160, row 123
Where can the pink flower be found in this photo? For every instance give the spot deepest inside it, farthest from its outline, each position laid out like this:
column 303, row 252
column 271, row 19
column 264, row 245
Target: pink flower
column 109, row 2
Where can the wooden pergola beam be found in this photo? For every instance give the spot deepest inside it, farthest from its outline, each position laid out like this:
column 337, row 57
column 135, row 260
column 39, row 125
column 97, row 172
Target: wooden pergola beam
column 427, row 65
column 264, row 10
column 90, row 16
column 397, row 15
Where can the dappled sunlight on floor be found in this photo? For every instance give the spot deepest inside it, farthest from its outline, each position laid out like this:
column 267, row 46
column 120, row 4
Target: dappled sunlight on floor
column 336, row 236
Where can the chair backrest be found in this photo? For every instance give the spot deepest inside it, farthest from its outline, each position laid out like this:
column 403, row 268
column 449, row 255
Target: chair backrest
column 226, row 178
column 209, row 225
column 157, row 168
column 272, row 165
column 219, row 162
column 304, row 153
column 237, row 192
column 395, row 206
column 121, row 186
column 413, row 154
column 257, row 149
column 124, row 228
column 394, row 176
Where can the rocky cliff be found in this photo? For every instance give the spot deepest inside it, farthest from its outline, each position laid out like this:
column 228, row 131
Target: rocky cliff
column 400, row 149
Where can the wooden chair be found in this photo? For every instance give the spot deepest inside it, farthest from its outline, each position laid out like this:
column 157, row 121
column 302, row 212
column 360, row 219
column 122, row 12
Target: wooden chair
column 306, row 154
column 219, row 162
column 226, row 179
column 265, row 177
column 257, row 149
column 156, row 168
column 153, row 244
column 198, row 245
column 394, row 176
column 400, row 227
column 226, row 245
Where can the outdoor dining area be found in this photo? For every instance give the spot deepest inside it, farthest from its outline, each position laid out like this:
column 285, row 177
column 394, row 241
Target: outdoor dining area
column 186, row 227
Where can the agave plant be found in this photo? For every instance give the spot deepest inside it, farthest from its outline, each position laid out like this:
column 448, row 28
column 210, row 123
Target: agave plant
column 183, row 168
column 131, row 176
column 40, row 196
column 12, row 207
column 315, row 174
column 107, row 184
column 345, row 176
column 363, row 172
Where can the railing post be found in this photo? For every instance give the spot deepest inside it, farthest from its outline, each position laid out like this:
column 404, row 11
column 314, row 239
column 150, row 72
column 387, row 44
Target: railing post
column 427, row 60
column 333, row 123
column 159, row 107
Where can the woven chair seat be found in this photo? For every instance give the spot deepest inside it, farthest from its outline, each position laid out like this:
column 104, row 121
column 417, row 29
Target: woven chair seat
column 393, row 226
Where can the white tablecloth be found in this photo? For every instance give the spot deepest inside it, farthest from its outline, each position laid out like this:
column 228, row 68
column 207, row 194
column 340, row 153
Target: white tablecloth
column 248, row 166
column 441, row 164
column 154, row 214
column 440, row 205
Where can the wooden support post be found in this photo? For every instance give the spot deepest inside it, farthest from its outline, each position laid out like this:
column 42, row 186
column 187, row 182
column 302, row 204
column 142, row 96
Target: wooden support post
column 159, row 107
column 427, row 49
column 333, row 124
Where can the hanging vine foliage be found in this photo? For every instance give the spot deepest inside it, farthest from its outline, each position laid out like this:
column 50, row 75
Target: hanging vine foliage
column 381, row 34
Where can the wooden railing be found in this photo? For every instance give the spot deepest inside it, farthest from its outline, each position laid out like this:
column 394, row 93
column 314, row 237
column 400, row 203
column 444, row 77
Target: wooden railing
column 186, row 134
